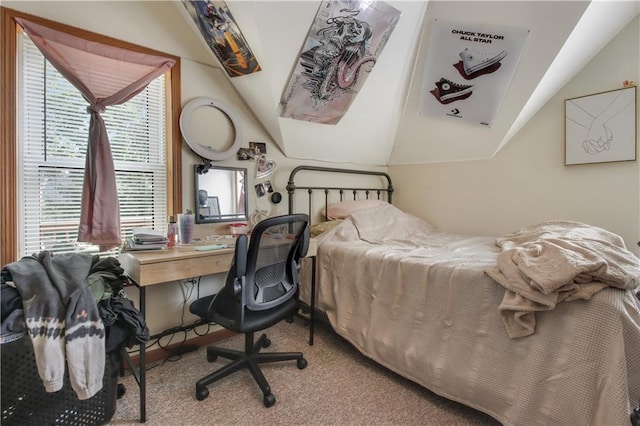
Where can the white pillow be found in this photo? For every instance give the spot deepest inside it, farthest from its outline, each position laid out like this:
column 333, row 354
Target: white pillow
column 343, row 209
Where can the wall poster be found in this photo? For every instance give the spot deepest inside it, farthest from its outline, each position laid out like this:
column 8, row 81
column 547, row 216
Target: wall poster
column 601, row 128
column 342, row 47
column 468, row 70
column 222, row 35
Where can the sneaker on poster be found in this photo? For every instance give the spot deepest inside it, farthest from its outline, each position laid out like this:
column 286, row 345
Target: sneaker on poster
column 447, row 91
column 488, row 70
column 474, row 61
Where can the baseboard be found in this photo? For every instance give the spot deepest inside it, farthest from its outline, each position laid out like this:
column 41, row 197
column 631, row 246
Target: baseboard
column 161, row 353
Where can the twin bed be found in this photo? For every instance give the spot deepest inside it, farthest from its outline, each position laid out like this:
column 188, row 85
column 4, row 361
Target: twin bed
column 449, row 311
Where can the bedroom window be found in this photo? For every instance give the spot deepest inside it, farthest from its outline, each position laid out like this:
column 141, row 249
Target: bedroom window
column 53, row 144
column 49, row 144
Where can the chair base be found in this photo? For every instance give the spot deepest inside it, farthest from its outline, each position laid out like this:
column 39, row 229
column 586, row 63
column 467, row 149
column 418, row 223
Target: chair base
column 249, row 359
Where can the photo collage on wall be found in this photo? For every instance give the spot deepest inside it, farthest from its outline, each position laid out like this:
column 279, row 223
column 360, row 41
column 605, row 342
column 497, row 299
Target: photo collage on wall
column 468, row 70
column 257, row 152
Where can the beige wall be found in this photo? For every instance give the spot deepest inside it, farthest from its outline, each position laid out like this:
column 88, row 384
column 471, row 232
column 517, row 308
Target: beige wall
column 527, row 181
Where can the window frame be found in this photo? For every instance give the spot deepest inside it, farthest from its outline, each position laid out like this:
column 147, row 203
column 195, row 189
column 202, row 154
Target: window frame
column 8, row 117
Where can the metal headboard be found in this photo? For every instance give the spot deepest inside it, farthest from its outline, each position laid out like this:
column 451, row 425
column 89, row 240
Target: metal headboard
column 356, row 191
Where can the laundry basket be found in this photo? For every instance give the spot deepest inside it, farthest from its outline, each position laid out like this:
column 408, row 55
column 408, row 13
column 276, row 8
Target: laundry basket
column 25, row 401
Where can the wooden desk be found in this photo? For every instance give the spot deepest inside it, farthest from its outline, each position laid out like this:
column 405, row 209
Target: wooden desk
column 147, row 268
column 160, row 266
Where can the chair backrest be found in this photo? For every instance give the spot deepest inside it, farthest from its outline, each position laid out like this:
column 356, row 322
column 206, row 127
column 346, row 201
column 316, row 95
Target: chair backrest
column 265, row 274
column 276, row 246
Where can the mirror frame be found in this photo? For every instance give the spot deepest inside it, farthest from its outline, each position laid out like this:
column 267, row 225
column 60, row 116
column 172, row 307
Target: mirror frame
column 197, row 172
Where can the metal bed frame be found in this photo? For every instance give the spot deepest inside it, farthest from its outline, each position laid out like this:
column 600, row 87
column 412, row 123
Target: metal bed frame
column 356, row 191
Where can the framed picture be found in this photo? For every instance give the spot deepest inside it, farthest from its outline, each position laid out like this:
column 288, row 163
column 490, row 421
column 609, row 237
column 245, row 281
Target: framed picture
column 601, row 128
column 214, row 206
column 209, row 208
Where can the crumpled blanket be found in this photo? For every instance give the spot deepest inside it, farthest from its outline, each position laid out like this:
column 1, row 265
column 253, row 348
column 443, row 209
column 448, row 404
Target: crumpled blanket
column 558, row 261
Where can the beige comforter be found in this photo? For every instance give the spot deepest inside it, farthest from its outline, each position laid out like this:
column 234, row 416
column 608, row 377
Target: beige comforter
column 418, row 301
column 559, row 261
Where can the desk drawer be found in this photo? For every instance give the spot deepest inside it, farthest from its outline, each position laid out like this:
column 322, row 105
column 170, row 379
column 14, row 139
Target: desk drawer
column 174, row 270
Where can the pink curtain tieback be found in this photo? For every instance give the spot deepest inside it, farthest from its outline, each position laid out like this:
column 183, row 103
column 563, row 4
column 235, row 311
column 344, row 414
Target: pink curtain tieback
column 96, row 108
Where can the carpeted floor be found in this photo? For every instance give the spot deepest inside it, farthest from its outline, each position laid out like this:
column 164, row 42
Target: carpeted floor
column 339, row 387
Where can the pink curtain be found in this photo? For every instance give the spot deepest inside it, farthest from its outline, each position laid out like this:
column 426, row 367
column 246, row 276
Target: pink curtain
column 105, row 75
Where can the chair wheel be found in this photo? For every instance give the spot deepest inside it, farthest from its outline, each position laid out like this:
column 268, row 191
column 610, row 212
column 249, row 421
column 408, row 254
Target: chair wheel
column 302, row 363
column 211, row 357
column 202, row 393
column 269, row 400
column 266, row 343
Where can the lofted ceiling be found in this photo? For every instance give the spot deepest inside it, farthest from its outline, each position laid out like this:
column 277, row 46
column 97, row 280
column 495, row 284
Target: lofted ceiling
column 383, row 125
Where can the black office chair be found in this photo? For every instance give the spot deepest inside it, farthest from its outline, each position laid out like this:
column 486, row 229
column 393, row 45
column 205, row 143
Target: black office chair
column 261, row 289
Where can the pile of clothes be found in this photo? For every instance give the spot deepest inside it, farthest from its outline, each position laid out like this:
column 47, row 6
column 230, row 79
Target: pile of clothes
column 74, row 309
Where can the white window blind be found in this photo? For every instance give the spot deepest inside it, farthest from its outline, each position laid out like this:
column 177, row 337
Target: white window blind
column 54, row 128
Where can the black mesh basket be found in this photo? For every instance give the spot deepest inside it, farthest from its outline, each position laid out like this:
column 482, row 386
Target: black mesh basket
column 25, row 401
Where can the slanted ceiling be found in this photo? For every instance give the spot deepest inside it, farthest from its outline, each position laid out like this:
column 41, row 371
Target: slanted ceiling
column 383, row 126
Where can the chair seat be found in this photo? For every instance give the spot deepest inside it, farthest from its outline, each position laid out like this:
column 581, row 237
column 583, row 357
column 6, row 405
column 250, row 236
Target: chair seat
column 200, row 307
column 253, row 320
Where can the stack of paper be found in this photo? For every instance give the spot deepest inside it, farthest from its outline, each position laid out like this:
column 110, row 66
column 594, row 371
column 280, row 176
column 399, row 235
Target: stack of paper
column 146, row 239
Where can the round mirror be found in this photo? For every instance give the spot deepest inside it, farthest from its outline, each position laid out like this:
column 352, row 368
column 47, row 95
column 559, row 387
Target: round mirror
column 204, row 122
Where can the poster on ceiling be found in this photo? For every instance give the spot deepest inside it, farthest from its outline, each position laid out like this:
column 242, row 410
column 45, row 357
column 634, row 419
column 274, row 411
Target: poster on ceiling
column 221, row 33
column 341, row 49
column 468, row 70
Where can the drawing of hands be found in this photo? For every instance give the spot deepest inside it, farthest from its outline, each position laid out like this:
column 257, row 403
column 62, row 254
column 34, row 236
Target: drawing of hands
column 598, row 138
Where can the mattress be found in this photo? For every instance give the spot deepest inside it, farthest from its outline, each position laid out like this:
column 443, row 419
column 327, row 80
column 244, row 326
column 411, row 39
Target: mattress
column 418, row 301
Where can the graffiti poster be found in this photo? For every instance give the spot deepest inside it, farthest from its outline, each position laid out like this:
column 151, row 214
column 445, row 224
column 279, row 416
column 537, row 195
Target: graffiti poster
column 468, row 70
column 341, row 49
column 222, row 35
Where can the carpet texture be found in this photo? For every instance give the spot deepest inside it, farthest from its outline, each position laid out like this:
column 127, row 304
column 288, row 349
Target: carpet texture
column 339, row 387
